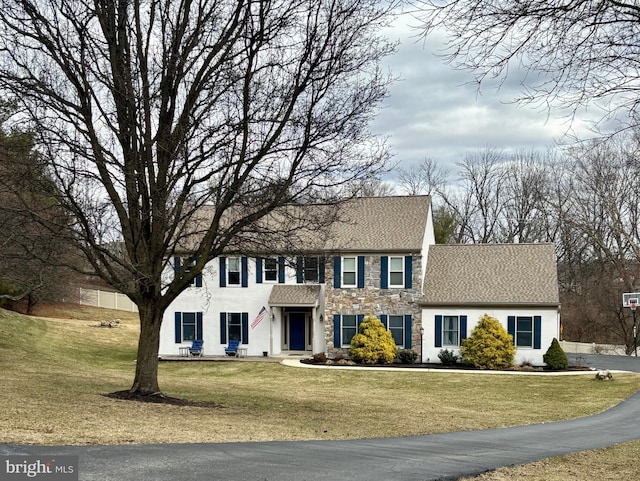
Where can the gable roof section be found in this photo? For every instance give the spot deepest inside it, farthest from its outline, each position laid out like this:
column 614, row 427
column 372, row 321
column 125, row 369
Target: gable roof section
column 295, row 295
column 496, row 274
column 377, row 224
column 361, row 224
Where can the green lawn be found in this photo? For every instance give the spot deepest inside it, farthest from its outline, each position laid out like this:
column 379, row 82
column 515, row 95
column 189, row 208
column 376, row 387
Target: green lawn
column 56, row 372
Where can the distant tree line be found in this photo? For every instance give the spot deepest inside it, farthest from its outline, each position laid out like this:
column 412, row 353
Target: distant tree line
column 585, row 199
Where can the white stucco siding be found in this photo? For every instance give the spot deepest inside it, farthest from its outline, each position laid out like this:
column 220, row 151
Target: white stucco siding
column 549, row 329
column 211, row 300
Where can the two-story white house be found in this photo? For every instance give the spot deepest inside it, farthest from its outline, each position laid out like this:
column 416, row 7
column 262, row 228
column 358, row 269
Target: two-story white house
column 310, row 298
column 370, row 261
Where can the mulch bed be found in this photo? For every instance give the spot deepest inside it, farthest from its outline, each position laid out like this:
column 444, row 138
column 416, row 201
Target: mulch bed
column 159, row 398
column 455, row 367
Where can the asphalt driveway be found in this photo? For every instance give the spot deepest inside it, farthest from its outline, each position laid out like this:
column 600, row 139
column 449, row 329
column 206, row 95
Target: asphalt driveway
column 435, row 457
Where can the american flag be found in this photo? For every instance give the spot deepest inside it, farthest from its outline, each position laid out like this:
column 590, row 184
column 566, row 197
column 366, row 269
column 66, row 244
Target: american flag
column 261, row 315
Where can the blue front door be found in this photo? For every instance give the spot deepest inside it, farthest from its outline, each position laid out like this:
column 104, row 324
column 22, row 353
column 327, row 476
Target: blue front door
column 297, row 322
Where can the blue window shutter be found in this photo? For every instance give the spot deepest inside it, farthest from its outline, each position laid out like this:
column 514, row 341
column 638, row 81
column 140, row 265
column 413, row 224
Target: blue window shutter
column 463, row 328
column 245, row 327
column 383, row 320
column 178, row 324
column 360, row 272
column 407, row 331
column 360, row 319
column 511, row 327
column 299, row 270
column 176, row 265
column 384, row 272
column 438, row 332
column 199, row 280
column 259, row 270
column 244, row 275
column 321, row 266
column 337, row 272
column 223, row 273
column 408, row 273
column 199, row 325
column 336, row 331
column 537, row 334
column 223, row 328
column 281, row 270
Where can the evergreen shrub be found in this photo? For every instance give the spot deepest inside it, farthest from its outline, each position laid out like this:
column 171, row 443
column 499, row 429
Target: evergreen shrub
column 555, row 358
column 489, row 346
column 407, row 356
column 373, row 344
column 447, row 357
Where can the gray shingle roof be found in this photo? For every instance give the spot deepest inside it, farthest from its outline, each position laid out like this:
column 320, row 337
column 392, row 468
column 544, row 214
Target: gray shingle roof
column 491, row 274
column 380, row 224
column 295, row 295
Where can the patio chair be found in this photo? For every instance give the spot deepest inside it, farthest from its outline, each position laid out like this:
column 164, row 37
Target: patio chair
column 232, row 348
column 196, row 348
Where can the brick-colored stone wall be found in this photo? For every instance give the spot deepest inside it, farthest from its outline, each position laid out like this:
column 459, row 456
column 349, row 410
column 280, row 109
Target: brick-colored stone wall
column 373, row 300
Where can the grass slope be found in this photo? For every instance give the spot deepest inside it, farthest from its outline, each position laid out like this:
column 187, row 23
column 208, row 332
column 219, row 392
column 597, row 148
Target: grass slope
column 56, row 372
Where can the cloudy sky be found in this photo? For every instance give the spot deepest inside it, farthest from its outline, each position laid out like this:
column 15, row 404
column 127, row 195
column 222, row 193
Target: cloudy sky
column 432, row 111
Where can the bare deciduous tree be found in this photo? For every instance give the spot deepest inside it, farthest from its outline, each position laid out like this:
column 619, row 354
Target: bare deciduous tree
column 575, row 51
column 427, row 177
column 152, row 110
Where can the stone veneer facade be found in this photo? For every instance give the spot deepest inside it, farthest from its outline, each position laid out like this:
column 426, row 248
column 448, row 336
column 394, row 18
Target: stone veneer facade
column 373, row 300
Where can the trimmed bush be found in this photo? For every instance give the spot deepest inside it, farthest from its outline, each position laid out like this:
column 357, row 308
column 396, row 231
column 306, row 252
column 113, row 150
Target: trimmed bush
column 373, row 344
column 447, row 357
column 555, row 358
column 489, row 346
column 407, row 356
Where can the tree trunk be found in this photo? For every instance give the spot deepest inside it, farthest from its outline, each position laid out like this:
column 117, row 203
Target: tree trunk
column 146, row 379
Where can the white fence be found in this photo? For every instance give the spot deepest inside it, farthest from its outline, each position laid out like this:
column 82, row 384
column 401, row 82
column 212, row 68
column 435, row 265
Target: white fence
column 106, row 299
column 592, row 348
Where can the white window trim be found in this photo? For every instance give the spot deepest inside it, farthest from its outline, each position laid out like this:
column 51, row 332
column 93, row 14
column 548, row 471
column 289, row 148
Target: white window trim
column 389, row 316
column 401, row 285
column 342, row 343
column 229, row 271
column 533, row 327
column 264, row 270
column 354, row 271
column 444, row 341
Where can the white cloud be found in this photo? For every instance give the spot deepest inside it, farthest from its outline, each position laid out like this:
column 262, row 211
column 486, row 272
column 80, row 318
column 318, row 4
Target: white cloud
column 438, row 112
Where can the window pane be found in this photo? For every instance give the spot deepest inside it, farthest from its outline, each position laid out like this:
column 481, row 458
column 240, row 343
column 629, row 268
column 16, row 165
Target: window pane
column 524, row 332
column 396, row 263
column 396, row 279
column 349, row 278
column 233, row 264
column 233, row 268
column 347, row 335
column 450, row 331
column 188, row 326
column 396, row 327
column 311, row 269
column 349, row 328
column 349, row 263
column 235, row 326
column 270, row 270
column 525, row 339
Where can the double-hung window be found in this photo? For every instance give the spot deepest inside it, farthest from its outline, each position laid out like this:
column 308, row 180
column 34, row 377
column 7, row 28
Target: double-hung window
column 270, row 270
column 349, row 272
column 450, row 331
column 396, row 271
column 188, row 326
column 349, row 328
column 524, row 332
column 396, row 327
column 233, row 271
